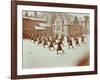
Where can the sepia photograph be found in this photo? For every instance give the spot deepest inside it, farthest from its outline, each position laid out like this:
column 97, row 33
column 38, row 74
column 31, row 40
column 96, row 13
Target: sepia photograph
column 55, row 39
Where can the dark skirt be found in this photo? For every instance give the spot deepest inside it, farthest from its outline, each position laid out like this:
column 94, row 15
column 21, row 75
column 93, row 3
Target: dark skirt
column 51, row 45
column 59, row 48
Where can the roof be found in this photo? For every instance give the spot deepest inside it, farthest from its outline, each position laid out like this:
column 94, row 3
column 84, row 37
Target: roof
column 35, row 19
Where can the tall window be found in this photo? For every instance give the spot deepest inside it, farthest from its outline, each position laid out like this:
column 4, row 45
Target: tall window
column 58, row 25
